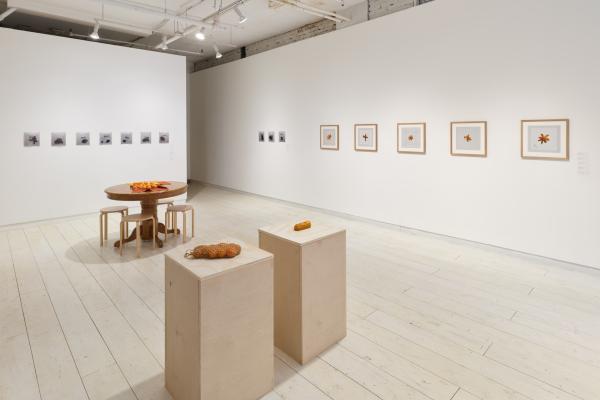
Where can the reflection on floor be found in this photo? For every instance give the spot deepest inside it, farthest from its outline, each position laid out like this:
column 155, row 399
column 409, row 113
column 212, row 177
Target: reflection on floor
column 429, row 317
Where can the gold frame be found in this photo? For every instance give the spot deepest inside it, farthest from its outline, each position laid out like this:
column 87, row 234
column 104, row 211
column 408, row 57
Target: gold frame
column 424, row 138
column 568, row 147
column 376, row 137
column 337, row 127
column 485, row 152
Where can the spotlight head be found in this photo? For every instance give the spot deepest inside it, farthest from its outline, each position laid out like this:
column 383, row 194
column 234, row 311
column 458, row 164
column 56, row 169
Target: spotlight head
column 163, row 44
column 242, row 17
column 200, row 35
column 95, row 34
column 217, row 52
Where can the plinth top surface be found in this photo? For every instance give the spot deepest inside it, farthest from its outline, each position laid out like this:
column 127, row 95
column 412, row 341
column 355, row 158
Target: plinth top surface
column 123, row 192
column 286, row 231
column 204, row 268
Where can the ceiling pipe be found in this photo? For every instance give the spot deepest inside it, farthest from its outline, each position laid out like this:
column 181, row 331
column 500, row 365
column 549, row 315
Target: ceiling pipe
column 313, row 10
column 299, row 4
column 7, row 13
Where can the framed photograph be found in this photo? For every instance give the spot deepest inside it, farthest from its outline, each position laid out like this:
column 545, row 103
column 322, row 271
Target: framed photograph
column 468, row 138
column 163, row 137
column 31, row 139
column 146, row 138
column 59, row 139
column 272, row 137
column 82, row 138
column 281, row 137
column 105, row 138
column 365, row 137
column 545, row 139
column 330, row 137
column 126, row 138
column 261, row 136
column 412, row 138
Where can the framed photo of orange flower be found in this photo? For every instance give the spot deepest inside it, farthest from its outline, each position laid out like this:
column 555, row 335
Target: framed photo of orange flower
column 411, row 138
column 545, row 139
column 330, row 137
column 468, row 138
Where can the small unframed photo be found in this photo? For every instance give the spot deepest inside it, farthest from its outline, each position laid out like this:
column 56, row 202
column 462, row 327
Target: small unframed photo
column 82, row 138
column 59, row 139
column 105, row 138
column 31, row 139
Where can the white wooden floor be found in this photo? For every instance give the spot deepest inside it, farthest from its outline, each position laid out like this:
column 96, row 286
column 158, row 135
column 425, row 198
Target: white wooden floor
column 429, row 317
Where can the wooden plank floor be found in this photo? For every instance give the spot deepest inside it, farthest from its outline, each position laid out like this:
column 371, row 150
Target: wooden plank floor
column 429, row 317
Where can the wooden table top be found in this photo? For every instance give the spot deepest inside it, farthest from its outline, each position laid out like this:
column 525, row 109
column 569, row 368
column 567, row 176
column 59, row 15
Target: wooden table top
column 123, row 192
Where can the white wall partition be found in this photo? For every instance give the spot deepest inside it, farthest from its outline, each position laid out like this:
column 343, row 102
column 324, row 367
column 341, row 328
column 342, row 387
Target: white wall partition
column 448, row 60
column 51, row 84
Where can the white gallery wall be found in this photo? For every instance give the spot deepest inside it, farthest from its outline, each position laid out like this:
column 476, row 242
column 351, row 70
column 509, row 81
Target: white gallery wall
column 52, row 84
column 448, row 60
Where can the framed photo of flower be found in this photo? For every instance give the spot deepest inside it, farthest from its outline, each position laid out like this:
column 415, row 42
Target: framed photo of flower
column 365, row 137
column 468, row 138
column 330, row 137
column 412, row 138
column 545, row 139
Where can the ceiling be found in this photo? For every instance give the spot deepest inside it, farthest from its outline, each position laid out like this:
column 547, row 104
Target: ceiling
column 144, row 22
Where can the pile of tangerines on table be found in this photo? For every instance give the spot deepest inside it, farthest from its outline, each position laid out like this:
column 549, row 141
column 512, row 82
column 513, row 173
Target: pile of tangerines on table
column 148, row 186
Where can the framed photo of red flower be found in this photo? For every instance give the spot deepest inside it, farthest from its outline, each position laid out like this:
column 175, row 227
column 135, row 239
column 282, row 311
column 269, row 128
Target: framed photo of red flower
column 546, row 139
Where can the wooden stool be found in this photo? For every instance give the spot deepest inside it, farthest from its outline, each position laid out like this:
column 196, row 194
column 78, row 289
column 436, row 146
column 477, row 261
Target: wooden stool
column 104, row 220
column 183, row 209
column 168, row 203
column 137, row 218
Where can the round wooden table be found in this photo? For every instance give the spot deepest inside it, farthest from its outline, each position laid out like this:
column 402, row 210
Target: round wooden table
column 149, row 201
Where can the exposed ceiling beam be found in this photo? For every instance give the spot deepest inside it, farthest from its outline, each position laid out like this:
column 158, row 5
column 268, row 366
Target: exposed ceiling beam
column 154, row 11
column 210, row 20
column 7, row 13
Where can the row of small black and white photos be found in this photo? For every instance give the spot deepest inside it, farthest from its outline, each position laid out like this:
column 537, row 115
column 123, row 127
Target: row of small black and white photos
column 59, row 139
column 271, row 136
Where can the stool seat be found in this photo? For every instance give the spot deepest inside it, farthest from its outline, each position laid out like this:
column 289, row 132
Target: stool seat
column 172, row 211
column 123, row 210
column 113, row 209
column 165, row 201
column 137, row 217
column 180, row 208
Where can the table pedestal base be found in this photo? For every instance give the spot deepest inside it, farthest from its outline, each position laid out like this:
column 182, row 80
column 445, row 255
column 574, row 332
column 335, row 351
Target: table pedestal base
column 146, row 233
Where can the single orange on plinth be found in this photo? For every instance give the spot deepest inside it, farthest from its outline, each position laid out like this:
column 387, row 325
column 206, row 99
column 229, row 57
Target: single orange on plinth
column 302, row 226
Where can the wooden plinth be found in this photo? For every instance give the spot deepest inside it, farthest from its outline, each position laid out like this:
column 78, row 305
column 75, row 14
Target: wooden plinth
column 310, row 287
column 219, row 325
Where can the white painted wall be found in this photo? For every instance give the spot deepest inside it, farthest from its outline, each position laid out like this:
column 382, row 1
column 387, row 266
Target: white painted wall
column 448, row 60
column 52, row 84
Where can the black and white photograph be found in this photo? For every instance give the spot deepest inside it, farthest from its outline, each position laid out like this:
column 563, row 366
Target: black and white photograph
column 163, row 137
column 281, row 136
column 146, row 138
column 58, row 139
column 271, row 137
column 82, row 138
column 105, row 138
column 31, row 139
column 261, row 136
column 126, row 138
